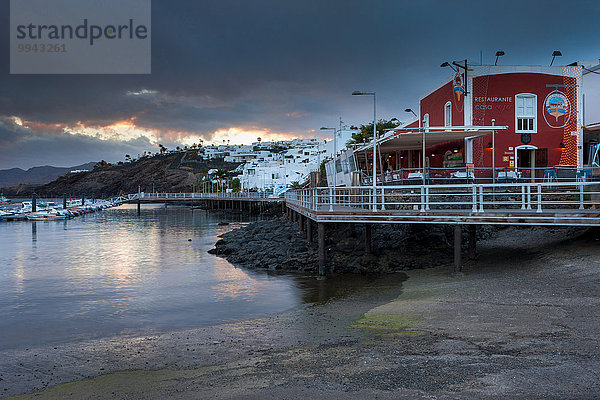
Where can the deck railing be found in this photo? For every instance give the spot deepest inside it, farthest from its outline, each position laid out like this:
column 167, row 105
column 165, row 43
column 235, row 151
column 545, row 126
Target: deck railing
column 476, row 198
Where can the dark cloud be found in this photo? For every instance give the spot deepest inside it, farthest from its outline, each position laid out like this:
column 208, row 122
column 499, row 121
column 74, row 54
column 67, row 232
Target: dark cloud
column 289, row 66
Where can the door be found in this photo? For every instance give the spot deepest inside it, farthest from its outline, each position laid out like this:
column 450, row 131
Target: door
column 541, row 162
column 526, row 163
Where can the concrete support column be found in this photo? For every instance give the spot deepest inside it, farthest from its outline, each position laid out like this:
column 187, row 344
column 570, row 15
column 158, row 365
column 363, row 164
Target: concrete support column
column 368, row 242
column 139, row 206
column 457, row 249
column 321, row 240
column 308, row 230
column 472, row 241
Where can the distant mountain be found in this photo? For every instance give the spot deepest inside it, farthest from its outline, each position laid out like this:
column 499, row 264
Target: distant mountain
column 163, row 173
column 37, row 175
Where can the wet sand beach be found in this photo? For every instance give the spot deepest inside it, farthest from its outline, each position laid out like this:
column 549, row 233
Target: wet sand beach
column 521, row 322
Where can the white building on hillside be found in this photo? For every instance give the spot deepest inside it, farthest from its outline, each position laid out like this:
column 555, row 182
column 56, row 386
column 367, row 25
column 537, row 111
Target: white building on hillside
column 281, row 170
column 342, row 137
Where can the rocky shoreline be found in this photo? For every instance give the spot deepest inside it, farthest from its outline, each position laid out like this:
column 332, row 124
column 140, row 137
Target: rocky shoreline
column 277, row 245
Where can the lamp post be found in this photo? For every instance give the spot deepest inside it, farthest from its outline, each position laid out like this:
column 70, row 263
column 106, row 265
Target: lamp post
column 493, row 152
column 358, row 93
column 555, row 54
column 334, row 156
column 499, row 53
column 422, row 140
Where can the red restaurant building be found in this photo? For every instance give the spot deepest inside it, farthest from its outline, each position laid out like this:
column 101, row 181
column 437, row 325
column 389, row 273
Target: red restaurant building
column 539, row 115
column 539, row 105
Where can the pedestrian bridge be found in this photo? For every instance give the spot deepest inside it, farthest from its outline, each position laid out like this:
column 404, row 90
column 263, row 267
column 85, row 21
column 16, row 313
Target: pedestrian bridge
column 527, row 204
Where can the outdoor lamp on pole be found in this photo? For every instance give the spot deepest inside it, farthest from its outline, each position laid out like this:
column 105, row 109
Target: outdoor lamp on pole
column 465, row 67
column 493, row 152
column 499, row 53
column 358, row 93
column 447, row 64
column 422, row 139
column 334, row 155
column 555, row 54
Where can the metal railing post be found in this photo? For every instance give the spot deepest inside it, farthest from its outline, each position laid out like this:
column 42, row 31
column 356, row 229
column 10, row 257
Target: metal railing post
column 422, row 199
column 330, row 199
column 427, row 198
column 581, row 196
column 539, row 198
column 529, row 197
column 481, row 198
column 474, row 198
column 382, row 198
column 522, row 197
column 374, row 198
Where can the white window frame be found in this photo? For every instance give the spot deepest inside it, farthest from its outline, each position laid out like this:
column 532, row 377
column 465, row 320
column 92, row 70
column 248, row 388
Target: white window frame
column 448, row 114
column 534, row 115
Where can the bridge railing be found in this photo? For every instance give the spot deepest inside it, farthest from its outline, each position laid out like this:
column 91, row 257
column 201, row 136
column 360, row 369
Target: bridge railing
column 196, row 195
column 476, row 198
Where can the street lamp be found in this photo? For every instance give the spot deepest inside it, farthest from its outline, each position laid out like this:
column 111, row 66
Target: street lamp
column 334, row 155
column 465, row 67
column 358, row 93
column 555, row 54
column 499, row 53
column 422, row 139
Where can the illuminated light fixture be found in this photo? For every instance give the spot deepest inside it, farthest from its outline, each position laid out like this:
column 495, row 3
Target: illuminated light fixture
column 499, row 53
column 555, row 54
column 561, row 145
column 490, row 146
column 433, row 155
column 455, row 151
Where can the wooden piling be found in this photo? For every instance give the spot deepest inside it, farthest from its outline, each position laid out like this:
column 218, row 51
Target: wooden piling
column 139, row 206
column 308, row 230
column 33, row 203
column 64, row 201
column 457, row 249
column 472, row 241
column 368, row 242
column 321, row 239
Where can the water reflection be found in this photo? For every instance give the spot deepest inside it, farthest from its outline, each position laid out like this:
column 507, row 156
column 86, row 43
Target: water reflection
column 115, row 272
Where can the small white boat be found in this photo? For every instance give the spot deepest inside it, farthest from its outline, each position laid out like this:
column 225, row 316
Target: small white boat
column 47, row 215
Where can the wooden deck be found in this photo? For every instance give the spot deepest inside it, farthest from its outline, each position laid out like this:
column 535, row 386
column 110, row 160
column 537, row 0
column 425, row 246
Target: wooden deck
column 348, row 214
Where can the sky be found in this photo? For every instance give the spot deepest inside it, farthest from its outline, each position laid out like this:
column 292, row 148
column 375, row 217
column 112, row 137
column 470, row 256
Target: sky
column 238, row 70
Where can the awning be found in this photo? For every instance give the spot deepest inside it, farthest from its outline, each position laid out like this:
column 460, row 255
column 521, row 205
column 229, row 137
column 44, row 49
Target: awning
column 412, row 139
column 592, row 128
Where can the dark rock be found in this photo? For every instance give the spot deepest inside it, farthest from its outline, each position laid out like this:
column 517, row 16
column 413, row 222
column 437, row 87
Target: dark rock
column 277, row 245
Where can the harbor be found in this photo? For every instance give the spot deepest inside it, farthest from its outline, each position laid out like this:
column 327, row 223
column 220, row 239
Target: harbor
column 299, row 200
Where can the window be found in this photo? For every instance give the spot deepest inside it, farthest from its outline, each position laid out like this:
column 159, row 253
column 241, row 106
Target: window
column 526, row 113
column 448, row 114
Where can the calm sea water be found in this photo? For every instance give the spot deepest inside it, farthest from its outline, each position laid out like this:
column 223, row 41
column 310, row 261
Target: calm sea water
column 116, row 273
